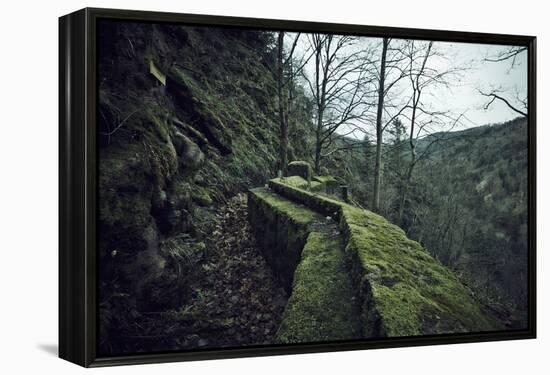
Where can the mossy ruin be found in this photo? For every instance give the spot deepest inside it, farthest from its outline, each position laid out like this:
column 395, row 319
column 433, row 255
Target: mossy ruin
column 306, row 251
column 402, row 285
column 401, row 290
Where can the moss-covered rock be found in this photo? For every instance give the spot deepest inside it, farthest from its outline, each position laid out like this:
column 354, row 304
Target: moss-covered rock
column 186, row 90
column 302, row 183
column 300, row 168
column 189, row 154
column 314, row 200
column 325, row 179
column 201, row 196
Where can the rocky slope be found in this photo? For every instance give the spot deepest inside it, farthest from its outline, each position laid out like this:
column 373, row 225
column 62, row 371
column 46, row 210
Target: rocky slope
column 187, row 119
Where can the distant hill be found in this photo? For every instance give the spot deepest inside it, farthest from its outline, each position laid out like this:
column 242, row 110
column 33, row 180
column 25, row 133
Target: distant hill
column 471, row 212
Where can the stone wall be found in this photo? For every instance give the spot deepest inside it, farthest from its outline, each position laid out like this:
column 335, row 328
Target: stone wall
column 399, row 288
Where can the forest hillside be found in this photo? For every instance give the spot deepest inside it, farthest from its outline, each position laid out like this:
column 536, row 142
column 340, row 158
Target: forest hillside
column 467, row 204
column 474, row 215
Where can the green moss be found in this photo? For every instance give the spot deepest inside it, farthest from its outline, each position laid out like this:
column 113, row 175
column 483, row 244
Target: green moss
column 322, row 305
column 296, row 181
column 412, row 292
column 404, row 291
column 324, row 179
column 227, row 112
column 296, row 212
column 313, row 200
column 131, row 203
column 160, row 128
column 300, row 168
column 308, row 249
column 302, row 183
column 281, row 228
column 201, row 196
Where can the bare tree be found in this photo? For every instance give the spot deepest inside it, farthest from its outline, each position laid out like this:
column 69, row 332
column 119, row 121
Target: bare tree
column 283, row 119
column 379, row 111
column 385, row 83
column 285, row 91
column 422, row 120
column 517, row 104
column 338, row 88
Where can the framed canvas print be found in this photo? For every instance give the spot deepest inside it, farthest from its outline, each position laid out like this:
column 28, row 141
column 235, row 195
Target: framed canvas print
column 242, row 187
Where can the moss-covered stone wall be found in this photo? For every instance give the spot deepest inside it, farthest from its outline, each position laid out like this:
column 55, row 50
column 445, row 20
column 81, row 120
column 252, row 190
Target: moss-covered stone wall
column 281, row 228
column 323, row 305
column 401, row 289
column 306, row 251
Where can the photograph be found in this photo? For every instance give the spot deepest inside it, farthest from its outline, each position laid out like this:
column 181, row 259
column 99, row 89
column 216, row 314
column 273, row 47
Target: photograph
column 263, row 187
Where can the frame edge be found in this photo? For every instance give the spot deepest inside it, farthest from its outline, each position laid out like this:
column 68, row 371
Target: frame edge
column 72, row 248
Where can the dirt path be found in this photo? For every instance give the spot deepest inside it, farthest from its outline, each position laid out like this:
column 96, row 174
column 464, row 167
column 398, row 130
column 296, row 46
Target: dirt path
column 235, row 300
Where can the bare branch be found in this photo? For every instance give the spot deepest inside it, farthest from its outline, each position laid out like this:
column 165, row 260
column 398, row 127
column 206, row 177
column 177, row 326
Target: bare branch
column 494, row 96
column 119, row 124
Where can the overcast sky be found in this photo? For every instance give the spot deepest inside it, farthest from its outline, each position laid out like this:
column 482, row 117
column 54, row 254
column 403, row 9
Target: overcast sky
column 483, row 75
column 463, row 96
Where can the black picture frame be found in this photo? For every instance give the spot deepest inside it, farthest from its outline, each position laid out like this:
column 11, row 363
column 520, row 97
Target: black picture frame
column 78, row 172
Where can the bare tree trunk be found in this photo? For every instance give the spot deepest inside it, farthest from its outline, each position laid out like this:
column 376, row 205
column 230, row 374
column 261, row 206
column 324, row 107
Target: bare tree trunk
column 283, row 136
column 289, row 104
column 404, row 193
column 379, row 112
column 412, row 163
column 319, row 93
column 335, row 88
column 417, row 92
column 318, row 145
